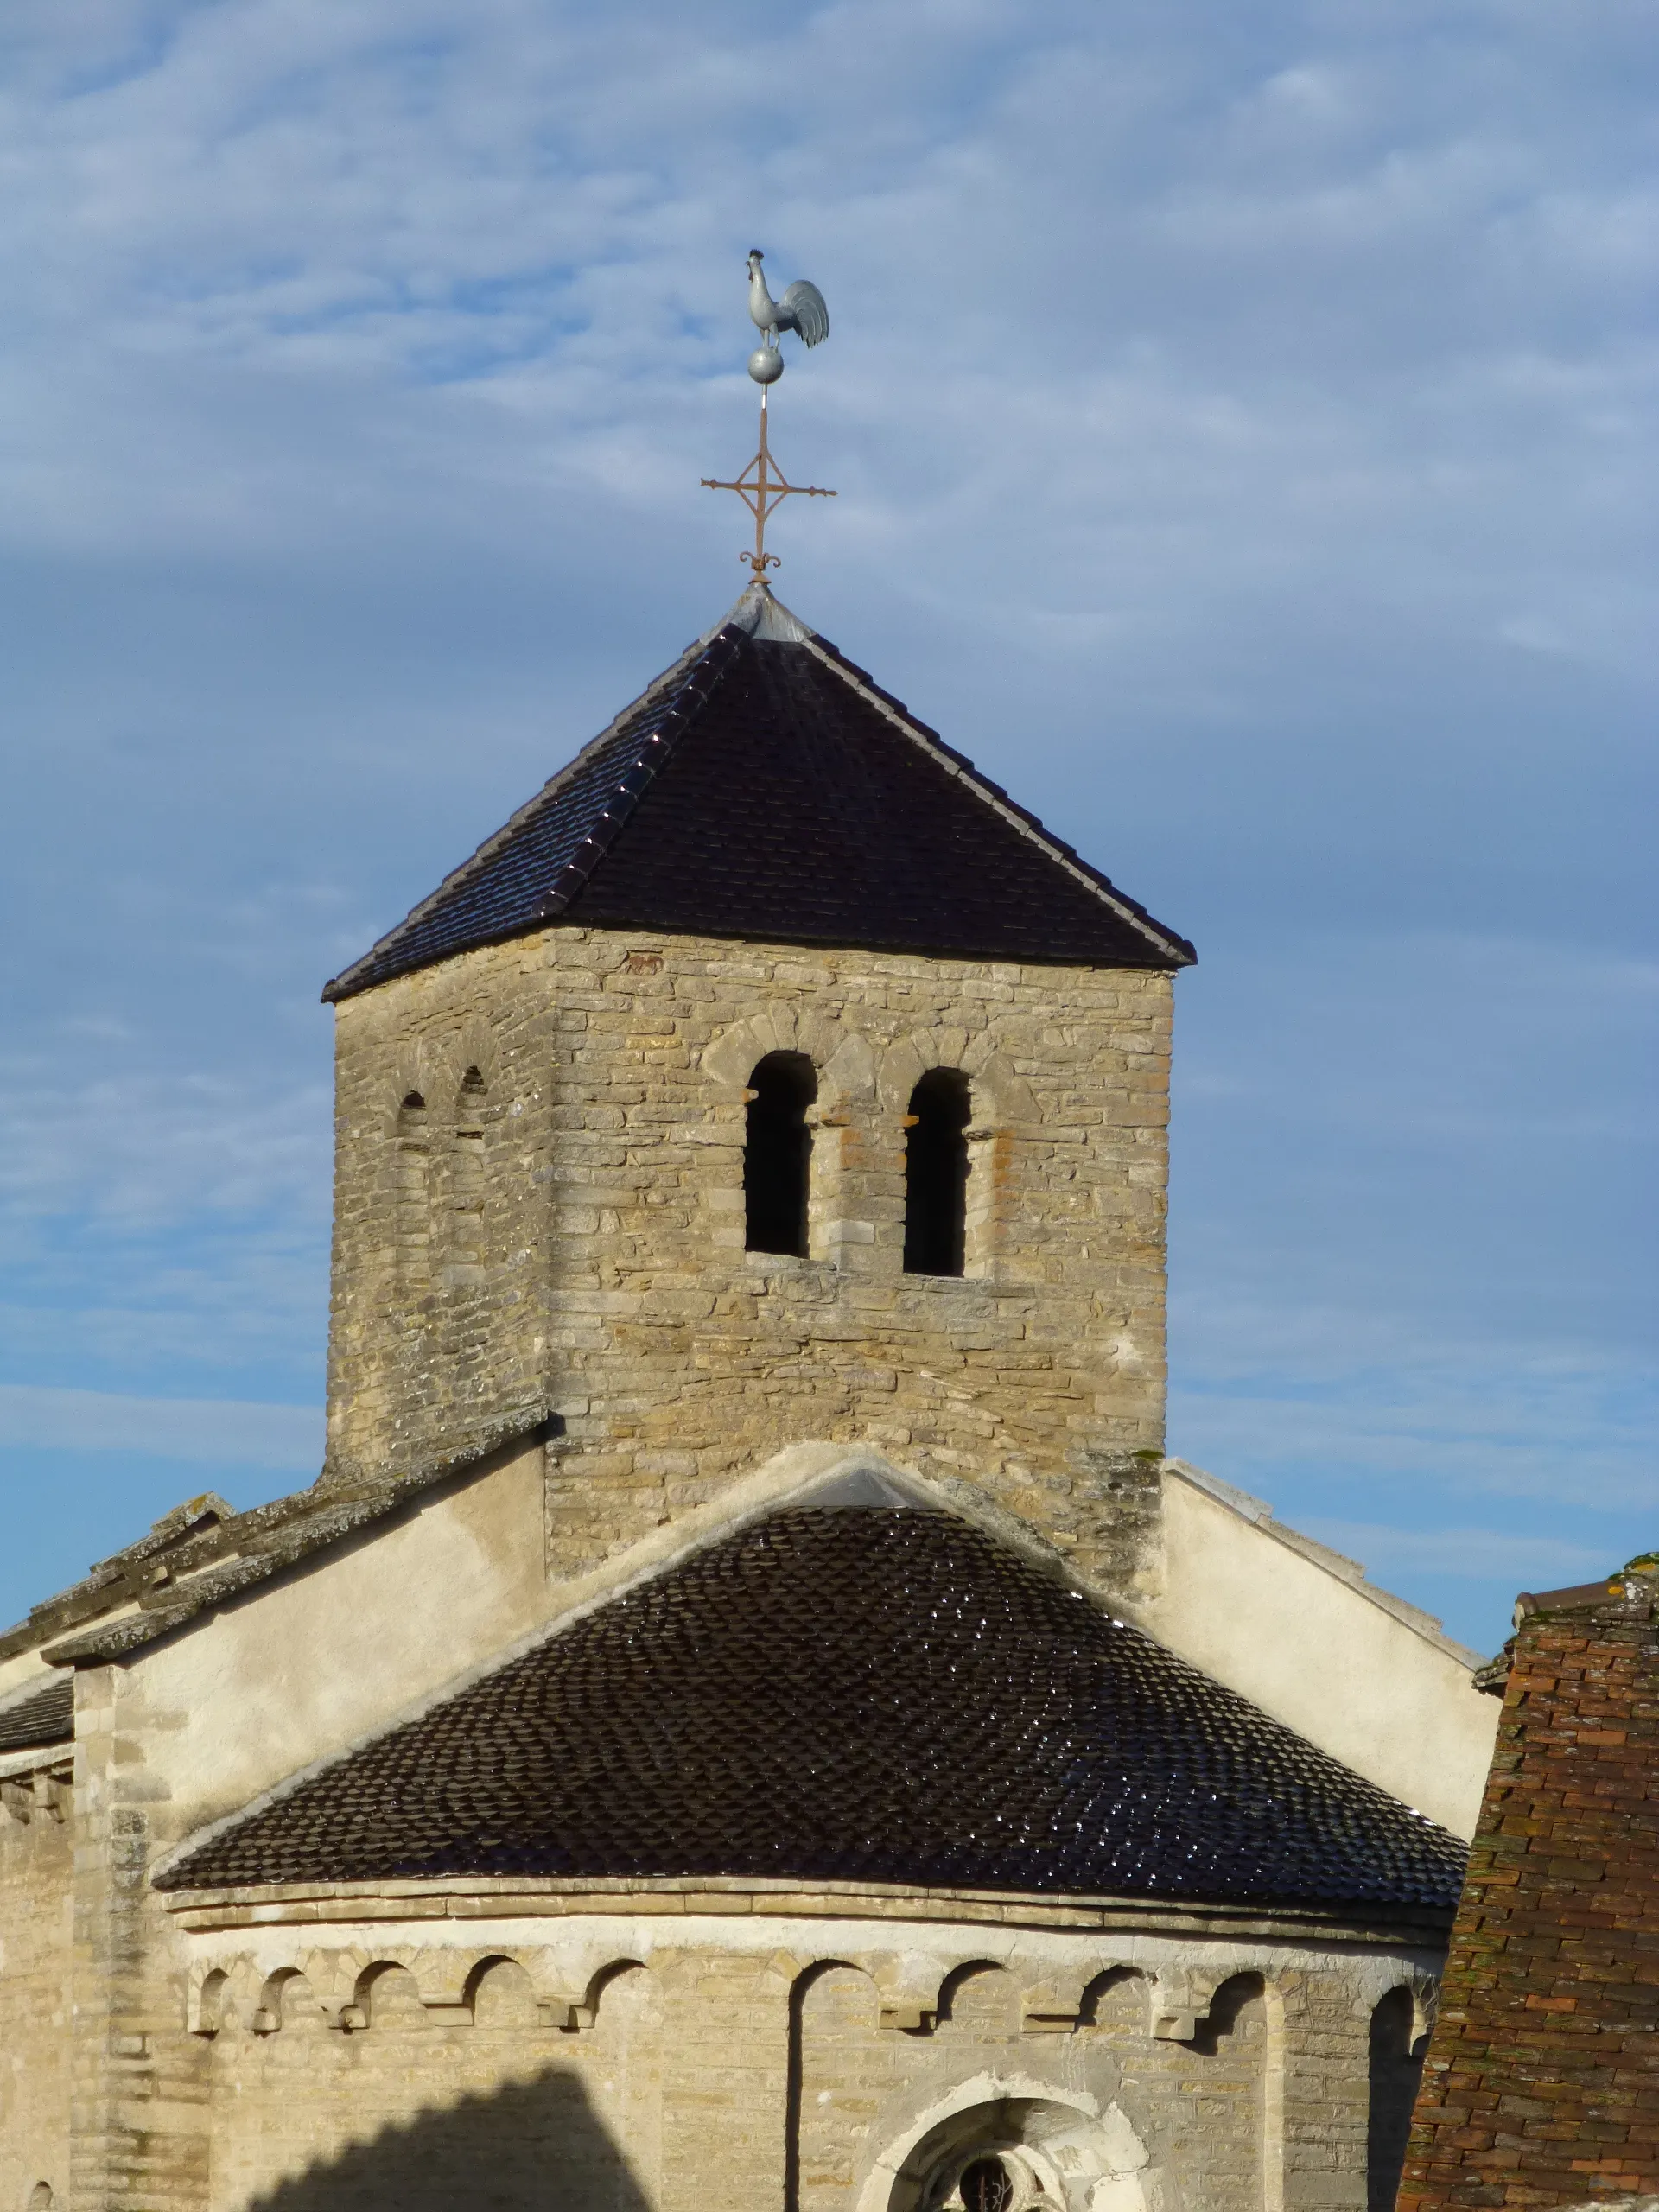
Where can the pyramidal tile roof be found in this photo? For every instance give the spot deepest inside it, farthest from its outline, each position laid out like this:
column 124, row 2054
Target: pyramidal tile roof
column 868, row 1694
column 765, row 788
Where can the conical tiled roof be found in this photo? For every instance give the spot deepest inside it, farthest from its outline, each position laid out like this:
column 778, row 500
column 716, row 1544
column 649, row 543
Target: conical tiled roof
column 869, row 1694
column 765, row 788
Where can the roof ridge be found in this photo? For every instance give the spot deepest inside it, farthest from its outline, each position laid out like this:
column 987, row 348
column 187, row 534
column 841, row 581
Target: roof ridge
column 679, row 674
column 921, row 851
column 631, row 785
column 1019, row 818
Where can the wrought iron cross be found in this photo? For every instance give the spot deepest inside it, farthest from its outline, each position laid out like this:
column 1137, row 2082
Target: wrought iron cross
column 763, row 487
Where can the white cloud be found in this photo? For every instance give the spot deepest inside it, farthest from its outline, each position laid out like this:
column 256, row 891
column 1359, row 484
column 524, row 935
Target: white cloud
column 223, row 1432
column 141, row 1148
column 1244, row 426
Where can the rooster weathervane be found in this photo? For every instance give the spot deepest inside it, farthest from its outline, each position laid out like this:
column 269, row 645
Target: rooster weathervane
column 762, row 486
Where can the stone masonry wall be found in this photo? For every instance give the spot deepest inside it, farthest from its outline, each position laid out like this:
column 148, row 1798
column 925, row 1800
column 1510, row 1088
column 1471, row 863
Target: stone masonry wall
column 737, row 2060
column 35, row 1846
column 555, row 1220
column 1197, row 2110
column 1541, row 2083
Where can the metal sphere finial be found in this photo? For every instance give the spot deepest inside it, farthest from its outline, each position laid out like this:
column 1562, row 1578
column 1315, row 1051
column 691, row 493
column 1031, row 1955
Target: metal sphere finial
column 765, row 365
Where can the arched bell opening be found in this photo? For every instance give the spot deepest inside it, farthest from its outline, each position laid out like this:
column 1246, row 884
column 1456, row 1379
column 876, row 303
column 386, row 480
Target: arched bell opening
column 777, row 1154
column 936, row 1173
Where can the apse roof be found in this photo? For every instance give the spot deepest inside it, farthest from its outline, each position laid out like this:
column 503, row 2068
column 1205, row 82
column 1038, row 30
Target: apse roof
column 765, row 788
column 876, row 1695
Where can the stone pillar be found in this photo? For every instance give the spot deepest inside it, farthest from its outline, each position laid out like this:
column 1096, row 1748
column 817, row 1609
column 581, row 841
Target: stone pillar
column 140, row 2115
column 725, row 2081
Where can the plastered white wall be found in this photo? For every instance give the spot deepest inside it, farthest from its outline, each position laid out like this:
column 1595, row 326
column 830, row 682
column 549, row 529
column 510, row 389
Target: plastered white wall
column 1258, row 1608
column 307, row 1663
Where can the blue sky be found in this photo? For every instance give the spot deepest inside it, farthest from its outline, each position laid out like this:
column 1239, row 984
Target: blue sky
column 1243, row 421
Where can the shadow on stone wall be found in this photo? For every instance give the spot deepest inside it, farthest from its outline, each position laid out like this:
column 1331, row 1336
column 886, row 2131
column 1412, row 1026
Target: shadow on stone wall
column 1396, row 2068
column 522, row 2148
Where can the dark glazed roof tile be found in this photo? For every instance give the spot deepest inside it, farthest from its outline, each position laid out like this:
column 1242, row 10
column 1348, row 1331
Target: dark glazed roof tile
column 46, row 1717
column 764, row 789
column 878, row 1695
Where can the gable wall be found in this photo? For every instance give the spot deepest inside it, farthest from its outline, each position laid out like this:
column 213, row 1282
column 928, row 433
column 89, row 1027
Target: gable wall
column 585, row 1250
column 1298, row 1630
column 250, row 1693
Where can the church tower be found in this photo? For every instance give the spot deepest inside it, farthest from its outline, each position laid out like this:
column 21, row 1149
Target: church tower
column 771, row 1080
column 748, row 1714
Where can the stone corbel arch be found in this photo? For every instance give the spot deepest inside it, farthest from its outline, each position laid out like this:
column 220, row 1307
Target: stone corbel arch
column 910, row 1985
column 1178, row 1998
column 210, row 1996
column 1419, row 1984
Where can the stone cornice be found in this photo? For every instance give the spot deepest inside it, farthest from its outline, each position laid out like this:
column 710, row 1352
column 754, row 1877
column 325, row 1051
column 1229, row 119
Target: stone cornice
column 505, row 1899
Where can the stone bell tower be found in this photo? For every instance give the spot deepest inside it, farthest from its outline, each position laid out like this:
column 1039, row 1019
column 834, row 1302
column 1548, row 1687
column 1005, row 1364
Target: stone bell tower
column 770, row 1079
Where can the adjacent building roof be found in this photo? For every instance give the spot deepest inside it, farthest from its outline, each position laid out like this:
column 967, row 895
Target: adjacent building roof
column 871, row 1694
column 765, row 788
column 204, row 1554
column 1542, row 2077
column 46, row 1716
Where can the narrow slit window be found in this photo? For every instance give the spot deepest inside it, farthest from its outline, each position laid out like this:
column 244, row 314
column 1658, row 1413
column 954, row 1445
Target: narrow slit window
column 936, row 1174
column 412, row 1166
column 466, row 1184
column 777, row 1154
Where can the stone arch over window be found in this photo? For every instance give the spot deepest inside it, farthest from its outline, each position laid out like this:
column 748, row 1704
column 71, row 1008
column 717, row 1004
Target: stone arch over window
column 843, row 1073
column 781, row 1090
column 1395, row 2067
column 40, row 2198
column 1001, row 1096
column 412, row 1171
column 926, row 1066
column 843, row 1057
column 936, row 1173
column 1027, row 2147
